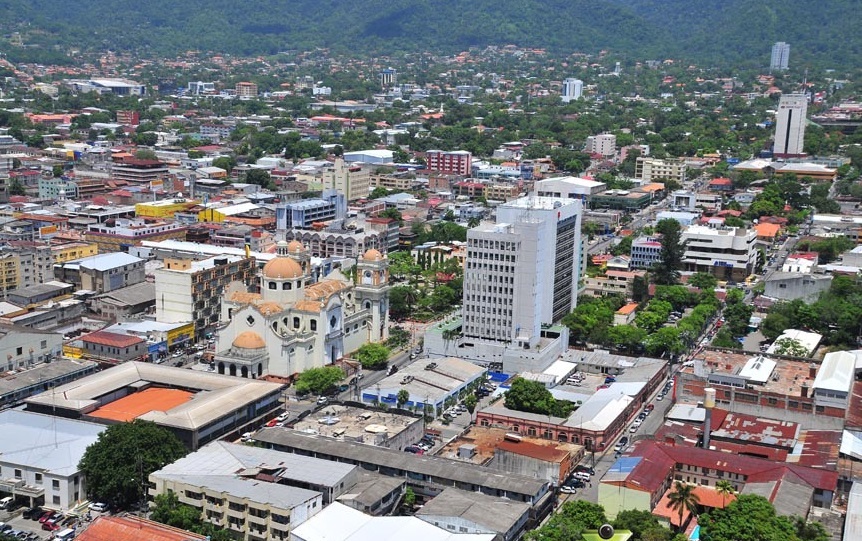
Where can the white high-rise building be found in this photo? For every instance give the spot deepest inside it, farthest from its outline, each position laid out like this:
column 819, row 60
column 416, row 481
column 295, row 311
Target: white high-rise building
column 780, row 56
column 523, row 271
column 790, row 126
column 604, row 144
column 573, row 89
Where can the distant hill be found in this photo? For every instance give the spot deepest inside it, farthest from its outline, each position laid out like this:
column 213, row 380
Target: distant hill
column 727, row 30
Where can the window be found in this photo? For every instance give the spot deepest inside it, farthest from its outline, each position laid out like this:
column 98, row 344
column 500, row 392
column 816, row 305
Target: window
column 55, row 500
column 272, row 285
column 250, row 320
column 17, row 474
column 295, row 322
column 19, row 350
column 313, row 324
column 55, row 484
column 39, row 478
column 43, row 344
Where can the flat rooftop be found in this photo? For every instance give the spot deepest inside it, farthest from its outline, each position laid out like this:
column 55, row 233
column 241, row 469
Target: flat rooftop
column 353, row 424
column 786, row 378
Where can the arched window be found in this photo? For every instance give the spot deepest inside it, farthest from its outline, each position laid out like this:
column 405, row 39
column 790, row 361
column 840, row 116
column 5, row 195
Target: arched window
column 313, row 324
column 273, row 285
column 368, row 305
column 332, row 321
column 295, row 322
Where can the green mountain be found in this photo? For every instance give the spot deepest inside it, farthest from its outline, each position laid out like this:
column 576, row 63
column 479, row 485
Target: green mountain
column 728, row 30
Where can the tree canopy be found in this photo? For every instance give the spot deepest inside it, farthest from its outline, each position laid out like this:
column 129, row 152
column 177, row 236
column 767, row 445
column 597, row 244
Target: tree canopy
column 372, row 356
column 534, row 397
column 752, row 518
column 119, row 463
column 319, row 380
column 666, row 270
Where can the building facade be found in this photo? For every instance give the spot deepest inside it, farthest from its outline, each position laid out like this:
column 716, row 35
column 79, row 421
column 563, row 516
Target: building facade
column 295, row 323
column 573, row 89
column 457, row 162
column 790, row 126
column 780, row 59
column 655, row 170
column 352, row 180
column 190, row 291
column 523, row 271
column 729, row 253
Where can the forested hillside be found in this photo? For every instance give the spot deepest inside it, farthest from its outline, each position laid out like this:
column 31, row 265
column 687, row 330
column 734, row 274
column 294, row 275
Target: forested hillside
column 730, row 31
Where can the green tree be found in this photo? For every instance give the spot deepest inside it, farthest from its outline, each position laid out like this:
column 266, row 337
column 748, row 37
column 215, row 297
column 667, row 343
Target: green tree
column 402, row 266
column 16, row 187
column 573, row 518
column 470, row 402
column 392, row 213
column 378, row 192
column 261, row 177
column 409, row 499
column 749, row 517
column 666, row 270
column 225, row 162
column 319, row 380
column 121, row 460
column 168, row 510
column 57, row 171
column 789, row 346
column 725, row 488
column 145, row 154
column 402, row 398
column 533, row 397
column 682, row 498
column 372, row 356
column 402, row 299
column 627, row 337
column 703, row 280
column 638, row 522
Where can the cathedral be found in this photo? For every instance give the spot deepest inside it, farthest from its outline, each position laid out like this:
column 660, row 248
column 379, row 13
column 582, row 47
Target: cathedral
column 298, row 322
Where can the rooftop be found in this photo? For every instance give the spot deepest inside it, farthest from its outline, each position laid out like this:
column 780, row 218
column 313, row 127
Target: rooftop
column 217, row 394
column 337, row 522
column 132, row 528
column 494, row 514
column 46, row 443
column 353, row 424
column 431, row 466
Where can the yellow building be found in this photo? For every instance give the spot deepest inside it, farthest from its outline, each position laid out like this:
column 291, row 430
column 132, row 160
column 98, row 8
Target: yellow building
column 10, row 271
column 163, row 209
column 61, row 253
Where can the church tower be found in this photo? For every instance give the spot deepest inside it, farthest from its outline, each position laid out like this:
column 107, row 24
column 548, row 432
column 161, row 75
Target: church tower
column 372, row 292
column 284, row 278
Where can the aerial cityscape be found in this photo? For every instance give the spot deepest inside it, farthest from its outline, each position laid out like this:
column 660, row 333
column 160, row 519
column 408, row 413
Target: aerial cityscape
column 288, row 283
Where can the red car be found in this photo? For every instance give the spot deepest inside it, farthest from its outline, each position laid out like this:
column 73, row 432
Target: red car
column 272, row 423
column 49, row 527
column 47, row 516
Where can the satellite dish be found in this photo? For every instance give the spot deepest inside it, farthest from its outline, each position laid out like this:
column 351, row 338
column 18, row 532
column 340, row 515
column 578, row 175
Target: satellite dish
column 606, row 531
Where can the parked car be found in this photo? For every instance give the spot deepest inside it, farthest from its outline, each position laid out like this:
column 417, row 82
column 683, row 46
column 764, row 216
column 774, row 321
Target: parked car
column 47, row 515
column 50, row 527
column 565, row 489
column 98, row 507
column 576, row 483
column 584, row 468
column 33, row 513
column 624, row 440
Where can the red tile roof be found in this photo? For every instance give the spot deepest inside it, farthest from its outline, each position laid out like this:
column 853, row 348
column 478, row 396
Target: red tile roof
column 105, row 338
column 721, row 181
column 131, row 528
column 532, row 450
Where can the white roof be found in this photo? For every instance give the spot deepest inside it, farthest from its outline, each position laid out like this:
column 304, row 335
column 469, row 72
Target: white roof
column 600, row 410
column 685, row 412
column 237, row 209
column 758, row 369
column 341, row 523
column 104, row 262
column 51, row 444
column 560, row 369
column 384, row 154
column 837, row 372
column 851, row 444
column 808, row 340
column 576, row 181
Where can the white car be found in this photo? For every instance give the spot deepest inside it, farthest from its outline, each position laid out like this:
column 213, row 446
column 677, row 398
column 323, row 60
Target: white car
column 568, row 490
column 283, row 417
column 98, row 507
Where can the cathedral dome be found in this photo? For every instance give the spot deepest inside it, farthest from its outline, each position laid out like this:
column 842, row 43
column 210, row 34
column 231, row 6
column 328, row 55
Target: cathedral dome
column 295, row 247
column 249, row 340
column 281, row 268
column 372, row 255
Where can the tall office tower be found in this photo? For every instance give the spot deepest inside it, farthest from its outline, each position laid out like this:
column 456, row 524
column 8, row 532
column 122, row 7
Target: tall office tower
column 780, row 56
column 388, row 77
column 573, row 89
column 790, row 126
column 523, row 271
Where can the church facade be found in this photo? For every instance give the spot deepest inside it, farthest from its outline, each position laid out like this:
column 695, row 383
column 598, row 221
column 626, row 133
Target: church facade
column 296, row 322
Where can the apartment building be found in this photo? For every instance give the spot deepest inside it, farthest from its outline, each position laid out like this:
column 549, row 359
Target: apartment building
column 458, row 162
column 655, row 170
column 124, row 233
column 646, row 251
column 246, row 90
column 139, row 172
column 605, row 145
column 352, row 180
column 790, row 126
column 188, row 290
column 10, row 272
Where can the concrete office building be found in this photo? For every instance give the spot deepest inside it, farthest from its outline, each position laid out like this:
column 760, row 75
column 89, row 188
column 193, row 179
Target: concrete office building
column 352, row 179
column 520, row 274
column 604, row 144
column 729, row 253
column 655, row 170
column 790, row 126
column 573, row 89
column 780, row 59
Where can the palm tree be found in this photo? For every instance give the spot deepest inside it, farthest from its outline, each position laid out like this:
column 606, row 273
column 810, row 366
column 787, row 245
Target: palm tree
column 683, row 497
column 725, row 488
column 402, row 398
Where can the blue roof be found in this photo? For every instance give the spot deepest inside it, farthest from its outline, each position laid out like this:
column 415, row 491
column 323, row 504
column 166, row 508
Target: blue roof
column 625, row 464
